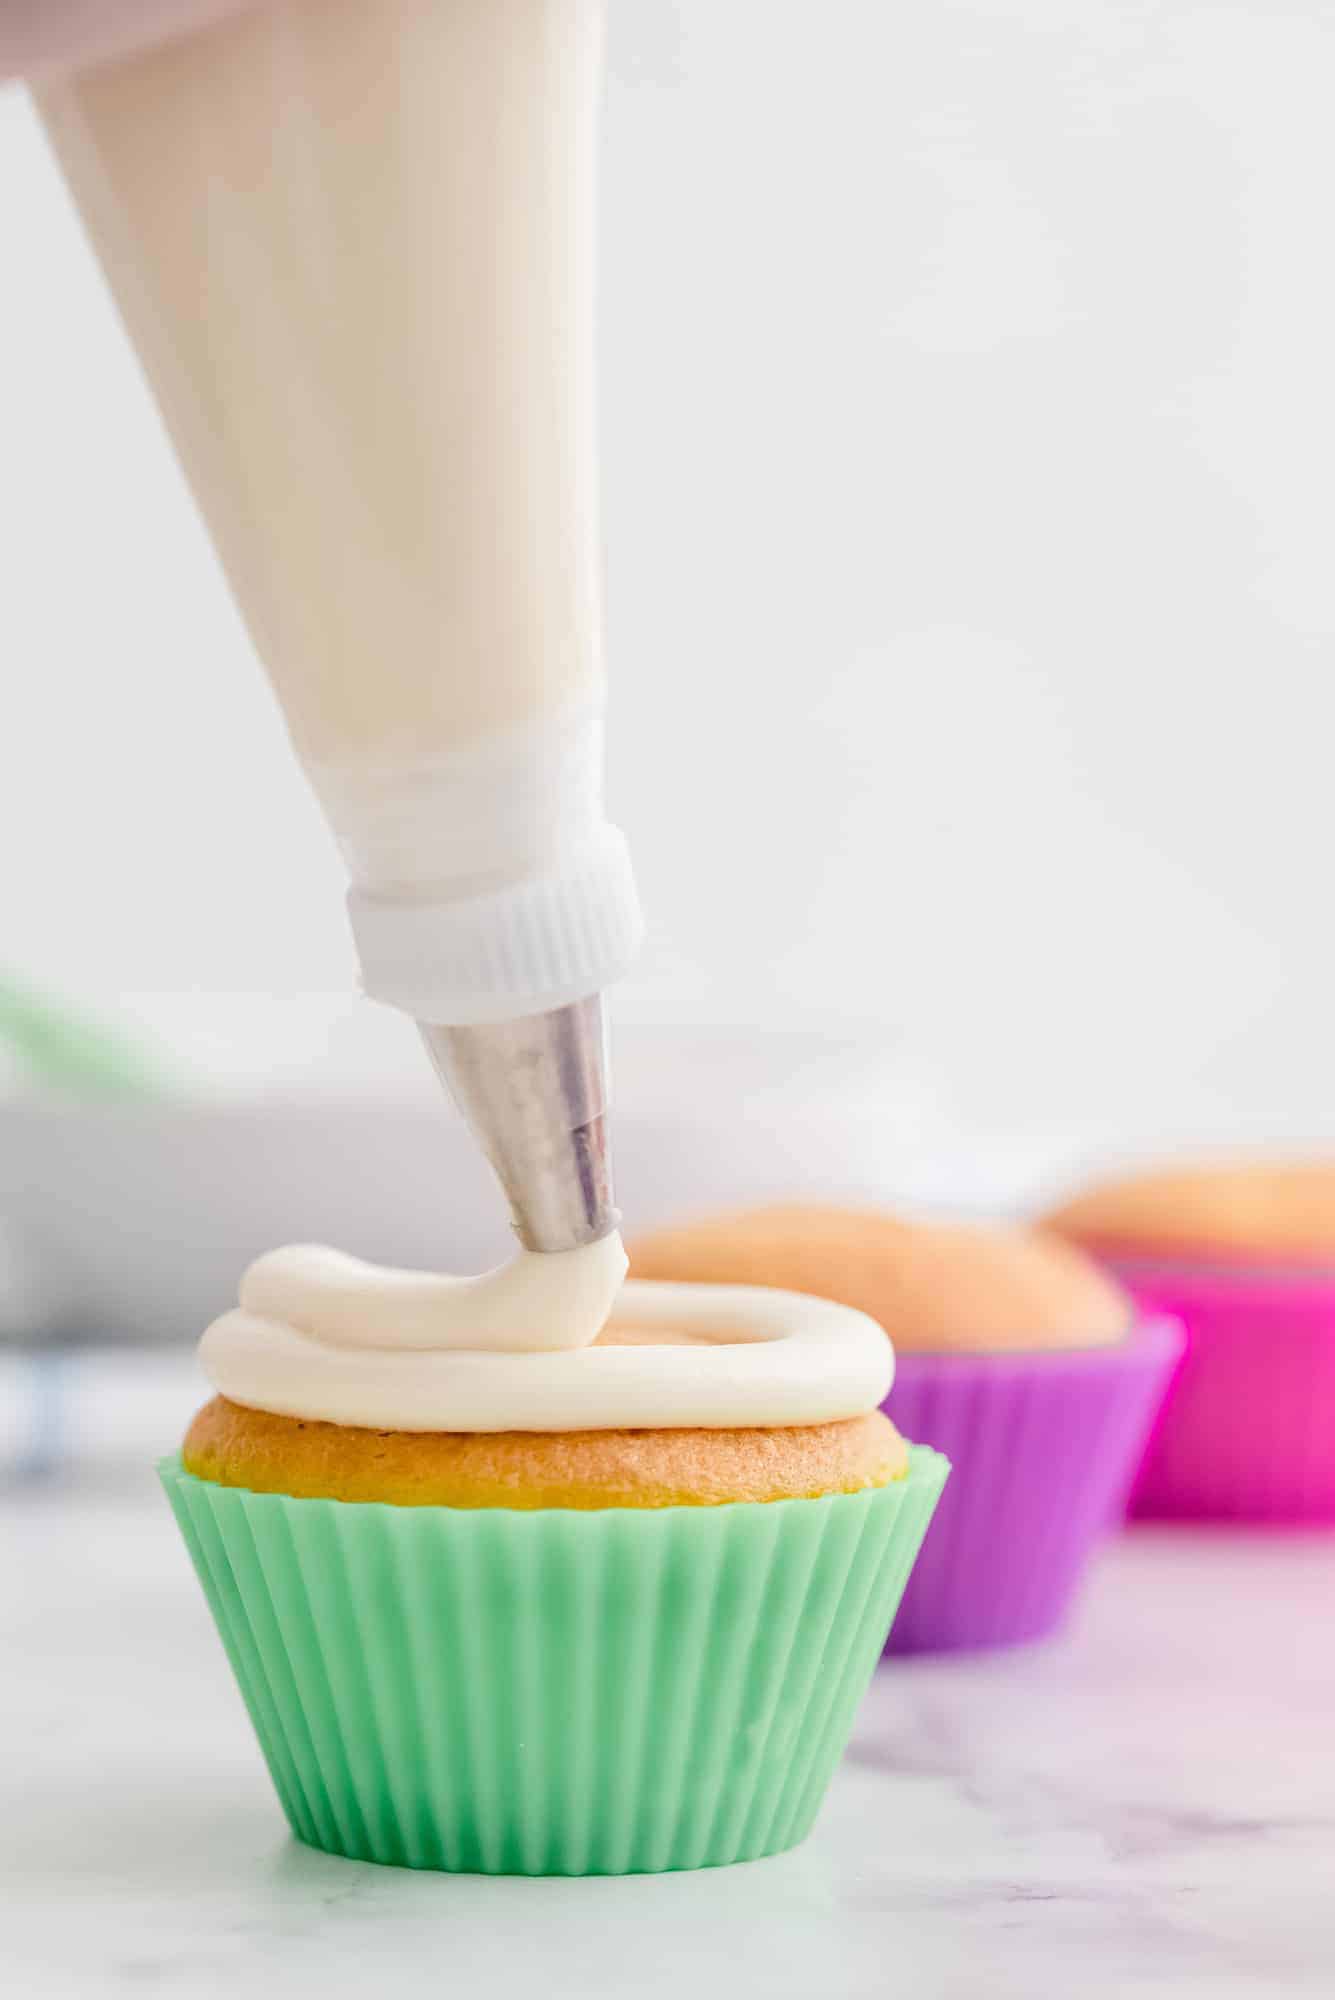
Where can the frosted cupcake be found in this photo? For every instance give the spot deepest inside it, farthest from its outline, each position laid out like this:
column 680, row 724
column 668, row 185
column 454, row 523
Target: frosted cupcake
column 1243, row 1252
column 594, row 1609
column 1017, row 1357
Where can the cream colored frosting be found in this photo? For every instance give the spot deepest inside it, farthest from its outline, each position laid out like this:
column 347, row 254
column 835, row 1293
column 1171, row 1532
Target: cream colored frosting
column 536, row 1302
column 354, row 246
column 323, row 1336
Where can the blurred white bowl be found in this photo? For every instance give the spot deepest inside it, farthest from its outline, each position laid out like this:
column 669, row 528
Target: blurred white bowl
column 143, row 1217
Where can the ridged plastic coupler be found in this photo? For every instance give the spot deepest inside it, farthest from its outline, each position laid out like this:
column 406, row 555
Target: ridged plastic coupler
column 487, row 882
column 522, row 947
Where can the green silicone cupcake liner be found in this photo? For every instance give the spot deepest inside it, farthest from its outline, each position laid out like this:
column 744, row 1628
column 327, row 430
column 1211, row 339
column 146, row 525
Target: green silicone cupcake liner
column 555, row 1692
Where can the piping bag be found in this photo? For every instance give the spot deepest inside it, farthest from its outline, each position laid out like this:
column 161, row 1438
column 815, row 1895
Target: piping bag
column 353, row 243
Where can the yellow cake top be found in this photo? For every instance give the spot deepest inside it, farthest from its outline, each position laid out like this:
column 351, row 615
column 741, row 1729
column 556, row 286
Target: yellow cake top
column 1221, row 1209
column 588, row 1470
column 934, row 1287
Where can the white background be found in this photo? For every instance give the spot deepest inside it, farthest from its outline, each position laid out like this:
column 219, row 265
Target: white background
column 968, row 445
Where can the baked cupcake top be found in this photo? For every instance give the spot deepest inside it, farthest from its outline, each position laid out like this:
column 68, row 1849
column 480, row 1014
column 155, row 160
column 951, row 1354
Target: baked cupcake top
column 933, row 1287
column 532, row 1348
column 1276, row 1211
column 235, row 1446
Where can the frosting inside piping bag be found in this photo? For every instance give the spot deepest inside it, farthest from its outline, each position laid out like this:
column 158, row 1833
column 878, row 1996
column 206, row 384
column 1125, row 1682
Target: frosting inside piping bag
column 323, row 1336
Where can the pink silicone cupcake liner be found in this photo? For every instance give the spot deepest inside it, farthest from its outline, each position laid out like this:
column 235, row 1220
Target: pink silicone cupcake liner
column 1044, row 1446
column 1248, row 1433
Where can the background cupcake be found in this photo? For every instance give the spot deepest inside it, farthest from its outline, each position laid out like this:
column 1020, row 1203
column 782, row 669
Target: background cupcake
column 1016, row 1356
column 489, row 1629
column 1243, row 1252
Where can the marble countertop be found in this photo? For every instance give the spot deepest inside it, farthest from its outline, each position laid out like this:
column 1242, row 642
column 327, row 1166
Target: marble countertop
column 1146, row 1808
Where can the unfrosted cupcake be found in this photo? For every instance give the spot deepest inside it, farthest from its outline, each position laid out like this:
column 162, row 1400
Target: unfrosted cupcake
column 1017, row 1357
column 590, row 1610
column 1243, row 1252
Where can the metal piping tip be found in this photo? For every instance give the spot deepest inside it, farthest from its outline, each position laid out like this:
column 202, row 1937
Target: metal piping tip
column 535, row 1093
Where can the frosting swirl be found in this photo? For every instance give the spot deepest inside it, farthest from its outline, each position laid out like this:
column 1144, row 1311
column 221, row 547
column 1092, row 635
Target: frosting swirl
column 530, row 1347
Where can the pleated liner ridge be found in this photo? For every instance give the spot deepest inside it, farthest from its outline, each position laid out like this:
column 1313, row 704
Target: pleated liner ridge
column 553, row 1692
column 1045, row 1447
column 1249, row 1433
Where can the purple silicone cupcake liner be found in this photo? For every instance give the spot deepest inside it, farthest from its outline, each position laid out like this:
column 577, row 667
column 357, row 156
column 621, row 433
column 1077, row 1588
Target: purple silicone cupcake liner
column 1248, row 1433
column 1045, row 1447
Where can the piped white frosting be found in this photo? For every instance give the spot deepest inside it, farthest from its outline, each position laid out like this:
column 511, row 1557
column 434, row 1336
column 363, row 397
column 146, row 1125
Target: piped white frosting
column 322, row 1336
column 536, row 1302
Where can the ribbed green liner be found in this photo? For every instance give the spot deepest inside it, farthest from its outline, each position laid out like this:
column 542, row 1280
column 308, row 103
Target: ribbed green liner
column 553, row 1693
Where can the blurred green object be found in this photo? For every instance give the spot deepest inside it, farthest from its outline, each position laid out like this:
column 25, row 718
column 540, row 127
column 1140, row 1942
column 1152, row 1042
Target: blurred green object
column 62, row 1050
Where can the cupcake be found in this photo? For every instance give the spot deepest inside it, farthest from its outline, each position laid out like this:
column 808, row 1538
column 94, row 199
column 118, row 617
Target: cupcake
column 1243, row 1253
column 1017, row 1357
column 594, row 1609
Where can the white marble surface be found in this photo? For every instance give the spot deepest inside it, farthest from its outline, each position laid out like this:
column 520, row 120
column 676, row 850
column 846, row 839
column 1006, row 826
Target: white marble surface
column 1146, row 1809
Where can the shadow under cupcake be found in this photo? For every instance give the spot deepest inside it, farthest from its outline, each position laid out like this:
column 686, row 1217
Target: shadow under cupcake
column 1015, row 1356
column 1243, row 1253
